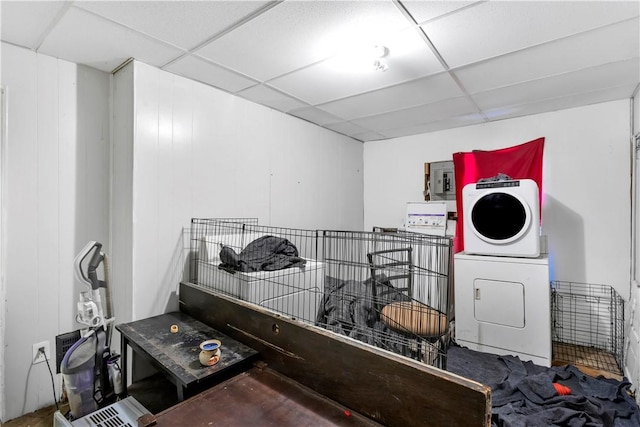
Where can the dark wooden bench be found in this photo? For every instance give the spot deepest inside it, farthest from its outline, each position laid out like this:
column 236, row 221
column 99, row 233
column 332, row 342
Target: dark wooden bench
column 379, row 385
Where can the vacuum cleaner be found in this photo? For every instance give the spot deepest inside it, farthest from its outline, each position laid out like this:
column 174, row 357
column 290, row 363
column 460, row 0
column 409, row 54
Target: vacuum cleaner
column 90, row 370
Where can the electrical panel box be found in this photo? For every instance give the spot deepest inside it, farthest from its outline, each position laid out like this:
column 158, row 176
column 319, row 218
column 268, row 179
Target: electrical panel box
column 442, row 181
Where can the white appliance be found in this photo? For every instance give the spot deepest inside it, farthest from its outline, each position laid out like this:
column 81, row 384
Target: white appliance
column 502, row 218
column 503, row 306
column 427, row 218
column 123, row 413
column 295, row 291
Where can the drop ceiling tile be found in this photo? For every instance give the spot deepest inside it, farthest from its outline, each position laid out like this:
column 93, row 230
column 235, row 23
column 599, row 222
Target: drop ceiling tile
column 185, row 24
column 24, row 22
column 561, row 103
column 423, row 11
column 85, row 38
column 422, row 114
column 575, row 53
column 607, row 44
column 200, row 70
column 498, row 27
column 418, row 92
column 346, row 128
column 368, row 136
column 450, row 123
column 314, row 115
column 611, row 75
column 295, row 34
column 409, row 58
column 265, row 95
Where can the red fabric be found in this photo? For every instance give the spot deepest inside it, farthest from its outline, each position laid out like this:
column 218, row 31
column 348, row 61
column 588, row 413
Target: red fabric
column 522, row 161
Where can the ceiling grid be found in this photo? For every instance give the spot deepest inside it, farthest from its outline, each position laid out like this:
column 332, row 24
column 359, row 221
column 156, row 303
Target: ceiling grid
column 449, row 63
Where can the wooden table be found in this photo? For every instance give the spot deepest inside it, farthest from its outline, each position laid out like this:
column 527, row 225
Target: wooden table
column 176, row 354
column 260, row 397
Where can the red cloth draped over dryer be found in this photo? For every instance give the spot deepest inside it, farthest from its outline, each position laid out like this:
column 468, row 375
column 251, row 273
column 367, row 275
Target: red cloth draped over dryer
column 519, row 162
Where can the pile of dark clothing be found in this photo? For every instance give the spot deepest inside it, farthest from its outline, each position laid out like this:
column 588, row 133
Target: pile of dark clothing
column 267, row 253
column 525, row 394
column 347, row 309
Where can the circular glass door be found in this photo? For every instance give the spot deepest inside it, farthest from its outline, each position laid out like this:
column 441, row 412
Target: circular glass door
column 499, row 217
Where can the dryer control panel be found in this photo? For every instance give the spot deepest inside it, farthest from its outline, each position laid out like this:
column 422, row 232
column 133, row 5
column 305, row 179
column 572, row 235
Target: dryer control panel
column 497, row 184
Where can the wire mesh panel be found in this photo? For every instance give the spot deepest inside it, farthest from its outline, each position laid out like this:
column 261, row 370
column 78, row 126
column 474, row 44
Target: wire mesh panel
column 588, row 325
column 351, row 283
column 274, row 267
column 391, row 290
column 202, row 229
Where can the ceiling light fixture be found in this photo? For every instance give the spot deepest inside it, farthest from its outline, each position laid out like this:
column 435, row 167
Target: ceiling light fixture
column 360, row 59
column 378, row 53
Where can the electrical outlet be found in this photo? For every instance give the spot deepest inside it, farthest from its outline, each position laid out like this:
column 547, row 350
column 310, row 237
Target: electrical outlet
column 37, row 356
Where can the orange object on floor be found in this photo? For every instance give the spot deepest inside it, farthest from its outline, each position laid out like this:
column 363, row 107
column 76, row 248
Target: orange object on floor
column 561, row 389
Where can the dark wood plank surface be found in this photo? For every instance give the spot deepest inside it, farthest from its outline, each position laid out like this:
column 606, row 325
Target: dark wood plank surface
column 385, row 387
column 260, row 397
column 177, row 353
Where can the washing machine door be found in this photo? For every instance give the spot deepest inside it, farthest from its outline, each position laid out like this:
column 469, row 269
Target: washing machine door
column 500, row 217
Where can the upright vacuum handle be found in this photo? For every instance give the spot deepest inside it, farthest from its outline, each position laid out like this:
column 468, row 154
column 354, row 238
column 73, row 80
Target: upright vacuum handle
column 92, row 279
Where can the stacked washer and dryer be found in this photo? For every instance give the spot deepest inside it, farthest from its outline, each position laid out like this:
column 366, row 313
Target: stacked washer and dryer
column 502, row 288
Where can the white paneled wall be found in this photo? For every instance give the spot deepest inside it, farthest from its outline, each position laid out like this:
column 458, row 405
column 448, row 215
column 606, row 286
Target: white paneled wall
column 586, row 202
column 56, row 188
column 122, row 194
column 632, row 343
column 3, row 288
column 200, row 152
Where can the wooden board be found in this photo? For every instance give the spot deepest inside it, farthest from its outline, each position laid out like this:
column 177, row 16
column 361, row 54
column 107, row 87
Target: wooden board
column 260, row 397
column 388, row 388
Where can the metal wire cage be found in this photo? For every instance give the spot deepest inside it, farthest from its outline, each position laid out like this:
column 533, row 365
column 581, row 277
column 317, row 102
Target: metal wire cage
column 392, row 290
column 588, row 326
column 266, row 281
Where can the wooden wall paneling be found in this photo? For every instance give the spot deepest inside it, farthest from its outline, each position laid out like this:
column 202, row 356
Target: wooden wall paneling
column 122, row 193
column 214, row 154
column 169, row 230
column 184, row 198
column 254, row 177
column 93, row 91
column 215, row 184
column 69, row 183
column 22, row 232
column 348, row 186
column 287, row 176
column 48, row 203
column 3, row 237
column 145, row 191
column 46, row 254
